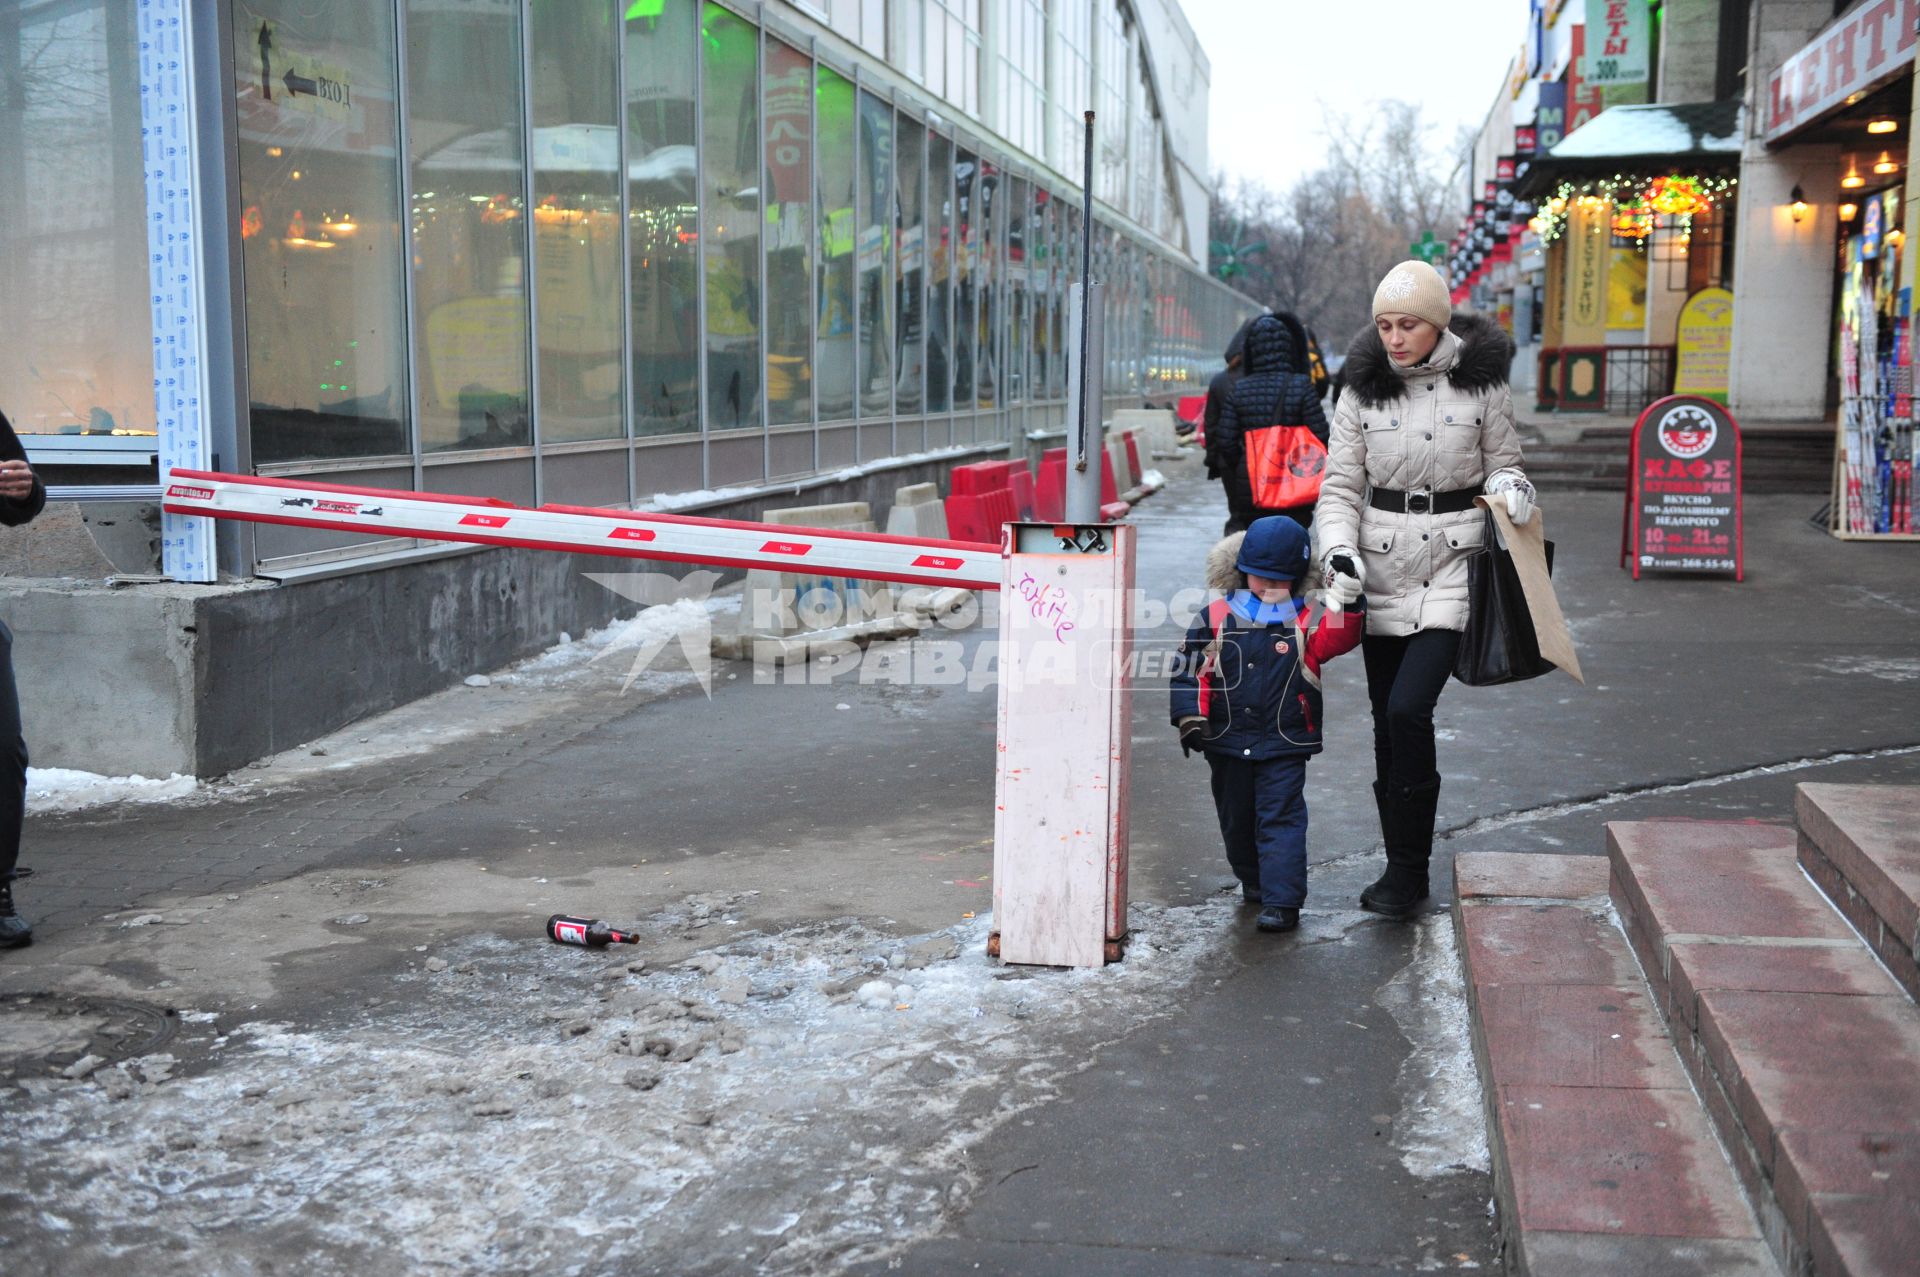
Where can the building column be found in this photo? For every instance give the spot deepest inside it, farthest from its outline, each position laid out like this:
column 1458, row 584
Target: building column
column 1783, row 283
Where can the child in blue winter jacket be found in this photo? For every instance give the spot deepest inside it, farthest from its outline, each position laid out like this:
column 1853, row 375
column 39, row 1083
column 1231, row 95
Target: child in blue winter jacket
column 1246, row 693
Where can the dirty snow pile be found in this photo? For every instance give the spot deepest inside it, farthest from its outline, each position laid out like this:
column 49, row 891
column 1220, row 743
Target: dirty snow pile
column 782, row 1103
column 1444, row 1129
column 669, row 640
column 61, row 789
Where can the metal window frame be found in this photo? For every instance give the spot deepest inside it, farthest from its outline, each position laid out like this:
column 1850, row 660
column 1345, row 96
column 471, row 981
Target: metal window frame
column 403, row 157
column 700, row 216
column 532, row 290
column 624, row 184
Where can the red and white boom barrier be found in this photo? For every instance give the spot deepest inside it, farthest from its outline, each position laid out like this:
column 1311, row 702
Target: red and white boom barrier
column 1061, row 797
column 672, row 538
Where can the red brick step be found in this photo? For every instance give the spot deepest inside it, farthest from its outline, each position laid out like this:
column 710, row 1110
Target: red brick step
column 1806, row 1054
column 1603, row 1159
column 1861, row 843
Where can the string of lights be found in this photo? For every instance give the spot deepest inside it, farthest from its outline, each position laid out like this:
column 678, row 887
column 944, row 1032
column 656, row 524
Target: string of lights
column 1636, row 204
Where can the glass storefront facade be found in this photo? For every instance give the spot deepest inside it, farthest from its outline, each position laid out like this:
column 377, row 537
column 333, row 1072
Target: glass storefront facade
column 586, row 251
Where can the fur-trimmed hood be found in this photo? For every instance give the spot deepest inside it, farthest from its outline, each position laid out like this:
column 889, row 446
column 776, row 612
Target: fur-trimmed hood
column 1222, row 573
column 1475, row 353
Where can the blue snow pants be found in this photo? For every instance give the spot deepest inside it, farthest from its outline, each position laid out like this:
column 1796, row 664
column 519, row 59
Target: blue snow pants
column 1263, row 818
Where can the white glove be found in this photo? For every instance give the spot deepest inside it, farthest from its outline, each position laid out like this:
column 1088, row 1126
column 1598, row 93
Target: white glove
column 1346, row 577
column 1517, row 490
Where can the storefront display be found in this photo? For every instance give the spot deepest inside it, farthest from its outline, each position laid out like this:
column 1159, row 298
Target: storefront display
column 1873, row 488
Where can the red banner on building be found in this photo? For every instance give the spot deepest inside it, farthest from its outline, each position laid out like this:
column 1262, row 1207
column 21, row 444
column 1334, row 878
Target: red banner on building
column 1870, row 44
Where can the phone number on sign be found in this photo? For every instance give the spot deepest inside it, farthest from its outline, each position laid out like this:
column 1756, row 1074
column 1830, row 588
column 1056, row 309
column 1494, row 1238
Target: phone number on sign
column 1655, row 561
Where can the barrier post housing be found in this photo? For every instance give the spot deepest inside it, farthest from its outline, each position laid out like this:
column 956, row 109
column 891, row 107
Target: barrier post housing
column 1064, row 748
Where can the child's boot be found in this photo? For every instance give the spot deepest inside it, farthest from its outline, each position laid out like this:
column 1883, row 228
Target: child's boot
column 1278, row 918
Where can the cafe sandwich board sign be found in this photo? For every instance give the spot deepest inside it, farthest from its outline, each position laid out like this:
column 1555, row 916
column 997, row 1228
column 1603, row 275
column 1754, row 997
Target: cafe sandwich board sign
column 1683, row 490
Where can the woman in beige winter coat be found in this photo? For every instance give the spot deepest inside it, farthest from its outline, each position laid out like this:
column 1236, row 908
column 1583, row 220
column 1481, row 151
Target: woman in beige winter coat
column 1424, row 427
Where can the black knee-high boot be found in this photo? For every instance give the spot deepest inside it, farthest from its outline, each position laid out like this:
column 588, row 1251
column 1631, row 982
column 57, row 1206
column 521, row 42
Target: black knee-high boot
column 1409, row 816
column 1380, row 805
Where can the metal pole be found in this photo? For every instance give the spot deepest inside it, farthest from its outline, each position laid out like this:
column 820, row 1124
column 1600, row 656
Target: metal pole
column 1086, row 332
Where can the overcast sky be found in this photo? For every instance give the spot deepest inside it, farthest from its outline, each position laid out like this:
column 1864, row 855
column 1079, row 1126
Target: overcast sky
column 1275, row 62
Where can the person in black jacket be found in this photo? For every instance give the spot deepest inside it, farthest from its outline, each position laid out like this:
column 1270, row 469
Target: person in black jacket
column 1216, row 398
column 22, row 496
column 1276, row 390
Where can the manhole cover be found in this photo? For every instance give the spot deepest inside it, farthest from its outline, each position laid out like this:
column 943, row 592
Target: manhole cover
column 44, row 1032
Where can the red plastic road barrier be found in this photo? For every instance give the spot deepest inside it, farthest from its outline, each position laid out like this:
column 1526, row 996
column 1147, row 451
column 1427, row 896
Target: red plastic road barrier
column 1050, row 489
column 1190, row 408
column 1133, row 456
column 967, row 516
column 980, row 476
column 1050, row 494
column 1022, row 489
column 669, row 538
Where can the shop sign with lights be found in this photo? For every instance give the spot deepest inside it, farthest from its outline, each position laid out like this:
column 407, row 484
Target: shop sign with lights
column 1841, row 64
column 1636, row 206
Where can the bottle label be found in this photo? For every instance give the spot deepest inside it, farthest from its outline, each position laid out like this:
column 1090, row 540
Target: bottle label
column 570, row 932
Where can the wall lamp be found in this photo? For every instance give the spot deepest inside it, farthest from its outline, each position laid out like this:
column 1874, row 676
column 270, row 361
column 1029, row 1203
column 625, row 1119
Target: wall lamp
column 1799, row 204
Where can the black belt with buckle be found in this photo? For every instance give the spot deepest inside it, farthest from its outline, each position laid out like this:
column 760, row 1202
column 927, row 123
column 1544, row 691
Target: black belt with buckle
column 1397, row 502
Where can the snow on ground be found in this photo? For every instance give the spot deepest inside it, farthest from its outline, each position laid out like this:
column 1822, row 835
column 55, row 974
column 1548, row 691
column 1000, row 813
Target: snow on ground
column 666, row 639
column 1442, row 1126
column 62, row 789
column 783, row 1103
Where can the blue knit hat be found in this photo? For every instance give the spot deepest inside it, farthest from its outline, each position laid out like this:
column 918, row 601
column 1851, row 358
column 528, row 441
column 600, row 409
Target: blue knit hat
column 1276, row 548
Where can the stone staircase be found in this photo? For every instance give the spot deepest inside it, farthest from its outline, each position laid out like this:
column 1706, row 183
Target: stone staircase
column 1694, row 1063
column 1793, row 461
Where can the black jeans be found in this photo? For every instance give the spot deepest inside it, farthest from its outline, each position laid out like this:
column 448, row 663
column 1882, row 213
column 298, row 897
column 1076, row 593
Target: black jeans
column 1405, row 676
column 13, row 761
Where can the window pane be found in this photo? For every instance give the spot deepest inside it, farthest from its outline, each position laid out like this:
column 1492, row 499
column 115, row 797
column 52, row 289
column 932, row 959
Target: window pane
column 789, row 186
column 320, row 230
column 1014, row 362
column 910, row 169
column 964, row 309
column 833, row 358
column 940, row 245
column 730, row 216
column 987, row 282
column 876, row 257
column 663, row 214
column 576, row 219
column 469, row 226
column 1040, row 259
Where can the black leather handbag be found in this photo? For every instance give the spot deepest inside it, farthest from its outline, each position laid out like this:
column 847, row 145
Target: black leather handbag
column 1499, row 645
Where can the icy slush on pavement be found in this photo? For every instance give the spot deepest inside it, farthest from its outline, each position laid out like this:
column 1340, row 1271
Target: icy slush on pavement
column 781, row 1103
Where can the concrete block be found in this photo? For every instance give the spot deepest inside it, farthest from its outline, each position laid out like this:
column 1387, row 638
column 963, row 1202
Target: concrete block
column 1156, row 426
column 1585, row 1035
column 1543, row 944
column 57, row 544
column 1619, row 1163
column 1698, row 968
column 1865, row 1236
column 783, row 605
column 1483, row 874
column 1718, row 879
column 1548, row 1254
column 1815, row 1062
column 1871, row 834
column 107, row 677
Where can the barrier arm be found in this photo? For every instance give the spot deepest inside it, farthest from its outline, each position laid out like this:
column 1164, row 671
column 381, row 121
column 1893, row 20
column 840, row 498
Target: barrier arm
column 670, row 538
